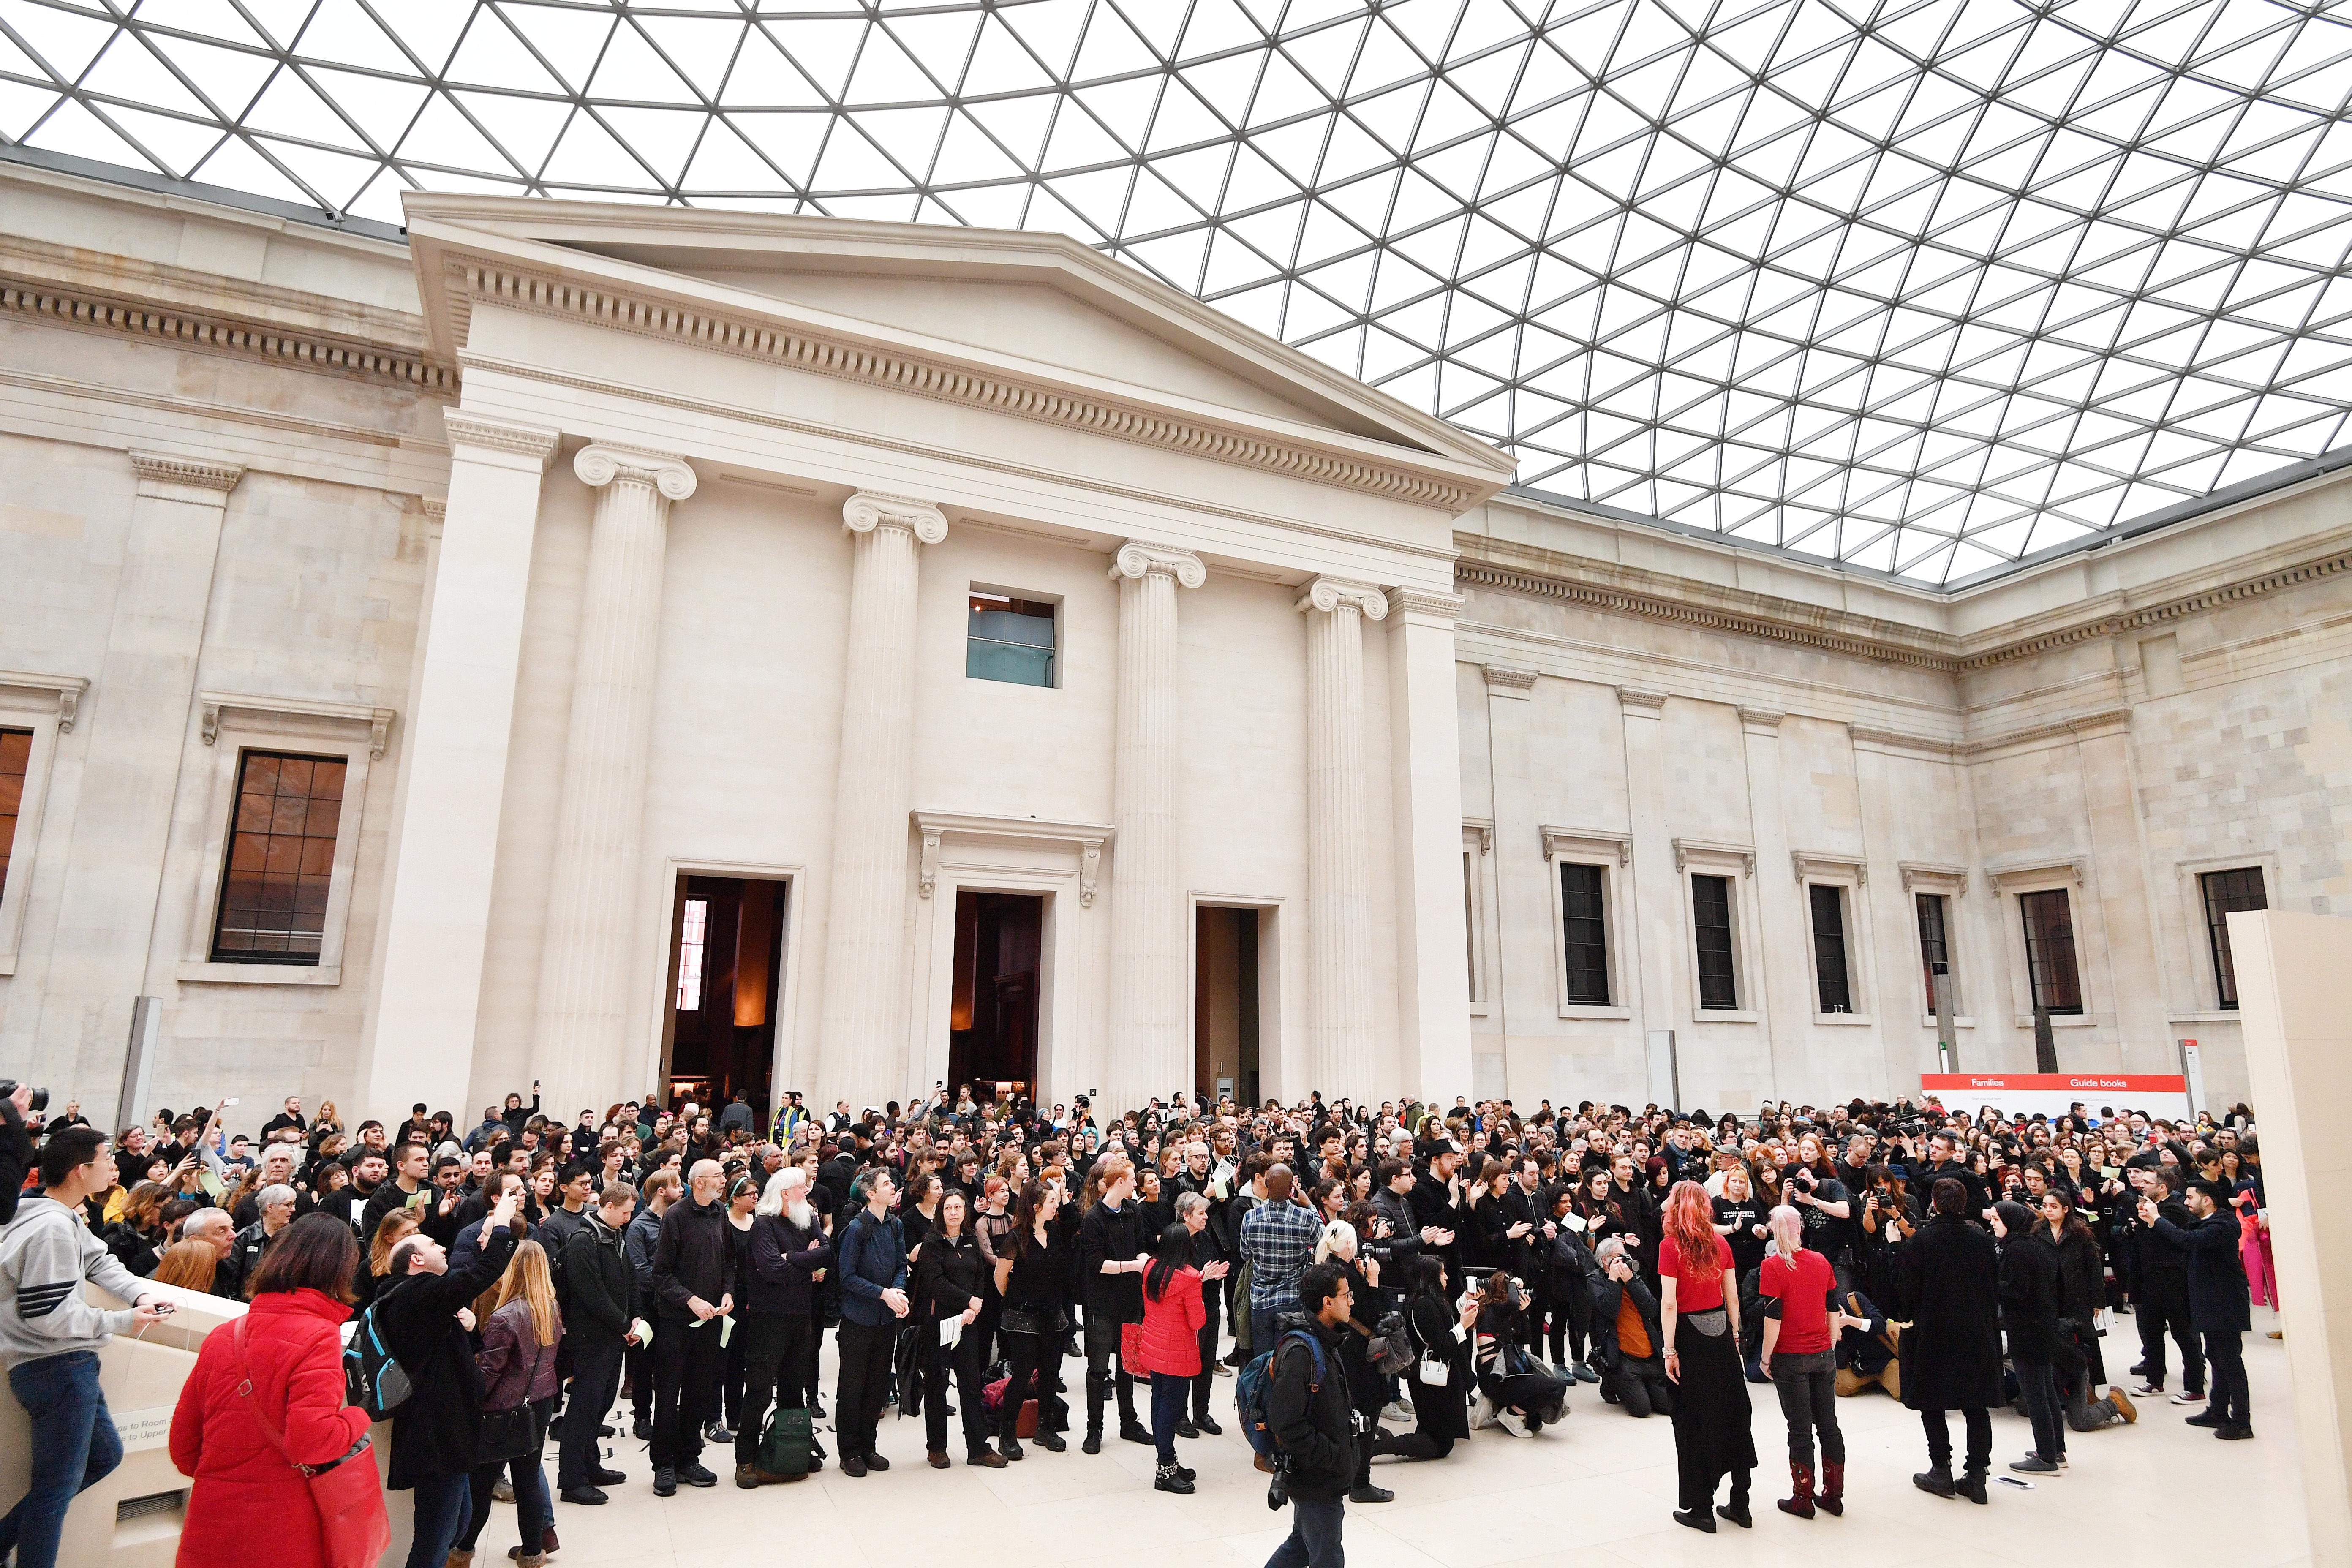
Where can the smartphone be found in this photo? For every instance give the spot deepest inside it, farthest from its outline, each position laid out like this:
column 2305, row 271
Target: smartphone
column 165, row 1308
column 229, row 1102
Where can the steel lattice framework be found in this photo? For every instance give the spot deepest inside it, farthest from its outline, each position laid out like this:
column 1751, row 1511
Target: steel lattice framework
column 1919, row 287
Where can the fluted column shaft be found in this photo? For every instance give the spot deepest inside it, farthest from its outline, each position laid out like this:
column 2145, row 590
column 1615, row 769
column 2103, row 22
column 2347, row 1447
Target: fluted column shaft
column 1339, row 895
column 593, row 905
column 863, row 1047
column 1149, row 1051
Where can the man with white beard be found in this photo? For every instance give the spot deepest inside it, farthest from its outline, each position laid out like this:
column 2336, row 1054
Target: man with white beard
column 789, row 1256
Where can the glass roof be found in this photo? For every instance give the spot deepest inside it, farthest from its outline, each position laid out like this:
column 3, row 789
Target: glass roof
column 1919, row 287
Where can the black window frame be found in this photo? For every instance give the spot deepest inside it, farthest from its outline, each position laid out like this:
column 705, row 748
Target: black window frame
column 306, row 880
column 2052, row 965
column 1832, row 967
column 2223, row 893
column 1584, row 932
column 1933, row 910
column 1714, row 942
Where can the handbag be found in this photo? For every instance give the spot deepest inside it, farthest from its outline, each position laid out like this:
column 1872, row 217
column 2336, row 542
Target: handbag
column 513, row 1433
column 1131, row 1346
column 785, row 1450
column 353, row 1528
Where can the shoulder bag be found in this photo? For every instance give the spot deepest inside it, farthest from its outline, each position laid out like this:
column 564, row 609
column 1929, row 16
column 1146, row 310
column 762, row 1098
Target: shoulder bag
column 354, row 1530
column 513, row 1433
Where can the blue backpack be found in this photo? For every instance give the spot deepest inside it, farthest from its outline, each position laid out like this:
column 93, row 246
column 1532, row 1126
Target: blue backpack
column 1254, row 1391
column 373, row 1378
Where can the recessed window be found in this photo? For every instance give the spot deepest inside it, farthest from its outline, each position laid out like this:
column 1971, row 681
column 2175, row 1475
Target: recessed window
column 1586, row 934
column 2050, row 951
column 15, row 760
column 2225, row 892
column 1009, row 639
column 693, row 937
column 1935, row 947
column 281, row 859
column 1830, row 977
column 1718, row 985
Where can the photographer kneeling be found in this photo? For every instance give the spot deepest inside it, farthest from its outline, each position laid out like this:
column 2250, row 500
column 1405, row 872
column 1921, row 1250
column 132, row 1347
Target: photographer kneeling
column 1625, row 1336
column 1525, row 1397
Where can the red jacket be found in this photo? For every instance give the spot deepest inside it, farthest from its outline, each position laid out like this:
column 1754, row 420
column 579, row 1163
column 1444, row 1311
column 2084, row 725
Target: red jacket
column 246, row 1489
column 1171, row 1327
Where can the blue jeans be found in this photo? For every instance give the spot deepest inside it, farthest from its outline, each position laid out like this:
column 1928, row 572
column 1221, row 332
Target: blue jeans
column 74, row 1448
column 445, row 1504
column 1264, row 1331
column 1314, row 1537
column 1169, row 1393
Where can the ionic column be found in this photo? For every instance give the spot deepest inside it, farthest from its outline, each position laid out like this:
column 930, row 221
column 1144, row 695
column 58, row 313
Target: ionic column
column 1149, row 1051
column 592, row 904
column 864, row 1044
column 1339, row 965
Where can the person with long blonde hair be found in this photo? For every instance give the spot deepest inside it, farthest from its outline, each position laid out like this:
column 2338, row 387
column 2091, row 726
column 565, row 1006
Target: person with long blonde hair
column 521, row 1336
column 1698, row 1321
column 1800, row 1330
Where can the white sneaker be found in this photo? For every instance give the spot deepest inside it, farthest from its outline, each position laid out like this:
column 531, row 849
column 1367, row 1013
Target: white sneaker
column 2148, row 1390
column 1511, row 1421
column 1397, row 1413
column 1482, row 1414
column 2187, row 1398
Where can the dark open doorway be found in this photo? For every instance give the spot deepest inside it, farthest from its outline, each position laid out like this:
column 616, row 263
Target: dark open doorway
column 992, row 1013
column 1225, row 1002
column 727, row 946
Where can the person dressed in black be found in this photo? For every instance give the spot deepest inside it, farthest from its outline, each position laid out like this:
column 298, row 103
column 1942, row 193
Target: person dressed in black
column 872, row 1253
column 1945, row 1287
column 788, row 1250
column 597, row 1316
column 1311, row 1419
column 1031, row 1272
column 1111, row 1261
column 1443, row 1375
column 2029, row 1317
column 2217, row 1300
column 691, row 1292
column 948, row 1288
column 2159, row 1290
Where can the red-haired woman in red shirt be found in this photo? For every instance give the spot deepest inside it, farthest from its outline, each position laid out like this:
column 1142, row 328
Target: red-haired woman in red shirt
column 1699, row 1323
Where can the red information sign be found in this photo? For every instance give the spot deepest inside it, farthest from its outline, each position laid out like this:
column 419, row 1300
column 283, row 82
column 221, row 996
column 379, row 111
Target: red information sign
column 2053, row 1094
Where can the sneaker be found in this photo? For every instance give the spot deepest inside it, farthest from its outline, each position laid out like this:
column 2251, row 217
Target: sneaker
column 877, row 1462
column 2233, row 1434
column 2188, row 1398
column 1093, row 1445
column 694, row 1473
column 2150, row 1390
column 1169, row 1479
column 1482, row 1416
column 1585, row 1373
column 987, row 1460
column 585, row 1497
column 1186, row 1429
column 1397, row 1413
column 503, row 1491
column 716, row 1435
column 604, row 1478
column 1134, row 1432
column 1222, row 1369
column 1208, row 1422
column 665, row 1482
column 1371, row 1493
column 853, row 1466
column 1511, row 1421
column 644, row 1430
column 2206, row 1418
column 2034, row 1465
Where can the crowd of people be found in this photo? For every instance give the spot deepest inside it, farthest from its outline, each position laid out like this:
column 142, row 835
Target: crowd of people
column 1375, row 1283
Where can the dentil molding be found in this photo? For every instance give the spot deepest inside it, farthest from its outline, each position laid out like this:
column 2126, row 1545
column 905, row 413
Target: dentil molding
column 499, row 436
column 599, row 465
column 1509, row 681
column 1140, row 558
column 1634, row 699
column 1329, row 593
column 869, row 510
column 192, row 473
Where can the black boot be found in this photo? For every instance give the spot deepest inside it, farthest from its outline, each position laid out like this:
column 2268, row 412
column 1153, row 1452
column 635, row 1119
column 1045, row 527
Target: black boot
column 1736, row 1510
column 1937, row 1480
column 1971, row 1486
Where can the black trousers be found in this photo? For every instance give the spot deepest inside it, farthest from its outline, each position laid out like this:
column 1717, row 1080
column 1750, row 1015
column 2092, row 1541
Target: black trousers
column 2162, row 1307
column 775, row 1347
column 1037, row 1357
column 865, row 1383
column 808, row 1361
column 2226, row 1357
column 596, row 1378
column 962, row 1362
column 1102, row 1355
column 1940, row 1440
column 1204, row 1386
column 688, row 1361
column 639, row 1359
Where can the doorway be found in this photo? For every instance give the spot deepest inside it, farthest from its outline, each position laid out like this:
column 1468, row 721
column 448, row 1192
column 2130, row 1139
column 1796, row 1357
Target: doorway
column 992, row 1003
column 1225, row 1002
column 727, row 944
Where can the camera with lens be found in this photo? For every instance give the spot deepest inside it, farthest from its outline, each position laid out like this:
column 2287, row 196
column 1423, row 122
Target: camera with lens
column 40, row 1096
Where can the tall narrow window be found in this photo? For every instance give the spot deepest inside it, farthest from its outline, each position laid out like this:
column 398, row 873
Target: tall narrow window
column 693, row 936
column 1470, row 923
column 281, row 859
column 2225, row 892
column 1718, row 983
column 1587, row 933
column 2050, row 951
column 1009, row 639
column 1934, row 948
column 15, row 760
column 1830, row 976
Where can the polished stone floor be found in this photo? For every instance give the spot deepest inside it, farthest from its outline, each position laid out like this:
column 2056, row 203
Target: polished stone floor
column 1598, row 1488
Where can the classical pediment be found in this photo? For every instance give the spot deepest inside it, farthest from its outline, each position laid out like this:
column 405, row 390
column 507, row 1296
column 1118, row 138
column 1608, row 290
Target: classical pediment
column 1033, row 325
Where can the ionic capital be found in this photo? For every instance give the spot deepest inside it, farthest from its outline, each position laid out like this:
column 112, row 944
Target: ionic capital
column 1329, row 593
column 869, row 510
column 1140, row 558
column 599, row 465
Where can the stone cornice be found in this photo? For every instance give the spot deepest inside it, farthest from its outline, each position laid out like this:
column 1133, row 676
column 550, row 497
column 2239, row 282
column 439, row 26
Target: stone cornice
column 288, row 710
column 2121, row 622
column 1417, row 602
column 189, row 473
column 1508, row 681
column 183, row 307
column 69, row 690
column 470, row 280
column 499, row 435
column 2074, row 727
column 1636, row 699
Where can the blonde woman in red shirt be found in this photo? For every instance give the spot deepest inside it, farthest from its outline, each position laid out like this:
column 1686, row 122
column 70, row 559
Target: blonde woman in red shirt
column 1800, row 1327
column 1699, row 1325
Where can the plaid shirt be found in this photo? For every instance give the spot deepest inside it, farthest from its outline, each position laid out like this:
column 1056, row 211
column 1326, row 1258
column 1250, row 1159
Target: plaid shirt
column 1278, row 1240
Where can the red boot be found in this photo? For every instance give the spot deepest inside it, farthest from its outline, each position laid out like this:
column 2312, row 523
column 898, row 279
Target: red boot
column 1833, row 1497
column 1800, row 1481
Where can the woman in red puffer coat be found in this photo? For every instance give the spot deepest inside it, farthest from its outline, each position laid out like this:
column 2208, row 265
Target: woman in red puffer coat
column 1171, row 1348
column 248, row 1489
